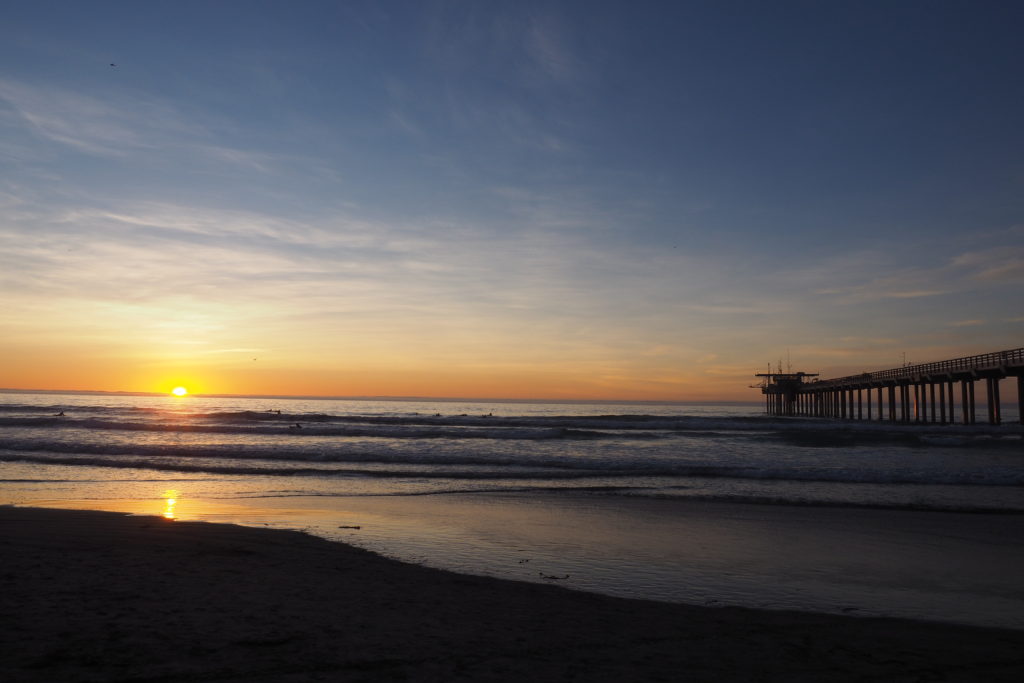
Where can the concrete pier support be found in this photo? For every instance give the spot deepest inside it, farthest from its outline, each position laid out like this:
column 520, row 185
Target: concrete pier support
column 997, row 406
column 942, row 403
column 992, row 398
column 931, row 400
column 949, row 393
column 1020, row 398
column 988, row 400
column 892, row 404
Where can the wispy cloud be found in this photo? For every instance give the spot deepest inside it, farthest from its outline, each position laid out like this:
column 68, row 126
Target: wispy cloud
column 868, row 276
column 243, row 158
column 124, row 125
column 911, row 294
column 734, row 309
column 1002, row 264
column 112, row 126
column 546, row 46
column 235, row 350
column 869, row 341
column 467, row 45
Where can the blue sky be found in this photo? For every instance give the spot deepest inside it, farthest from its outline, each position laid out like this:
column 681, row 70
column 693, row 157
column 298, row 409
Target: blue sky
column 593, row 199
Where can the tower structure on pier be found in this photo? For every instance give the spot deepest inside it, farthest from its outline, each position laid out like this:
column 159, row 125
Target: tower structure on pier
column 782, row 390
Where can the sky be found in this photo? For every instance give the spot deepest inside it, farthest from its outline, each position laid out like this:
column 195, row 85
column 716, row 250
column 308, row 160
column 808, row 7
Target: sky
column 598, row 200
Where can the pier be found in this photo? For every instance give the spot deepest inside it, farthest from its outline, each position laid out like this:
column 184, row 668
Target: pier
column 914, row 393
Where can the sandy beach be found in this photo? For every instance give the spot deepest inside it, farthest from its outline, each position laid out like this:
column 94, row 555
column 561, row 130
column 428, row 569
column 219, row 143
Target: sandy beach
column 94, row 596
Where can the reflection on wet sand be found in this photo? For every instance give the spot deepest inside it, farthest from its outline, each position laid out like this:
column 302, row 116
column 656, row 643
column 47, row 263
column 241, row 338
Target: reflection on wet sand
column 170, row 497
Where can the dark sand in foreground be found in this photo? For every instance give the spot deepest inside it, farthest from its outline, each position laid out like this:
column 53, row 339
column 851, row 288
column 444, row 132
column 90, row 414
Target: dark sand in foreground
column 93, row 596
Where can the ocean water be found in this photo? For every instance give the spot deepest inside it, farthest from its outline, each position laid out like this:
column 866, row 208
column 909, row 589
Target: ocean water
column 712, row 504
column 239, row 447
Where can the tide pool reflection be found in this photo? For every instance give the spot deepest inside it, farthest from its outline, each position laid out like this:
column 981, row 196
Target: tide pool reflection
column 170, row 500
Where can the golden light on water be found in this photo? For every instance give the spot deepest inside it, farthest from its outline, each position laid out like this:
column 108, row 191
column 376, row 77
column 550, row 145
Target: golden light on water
column 170, row 497
column 179, row 391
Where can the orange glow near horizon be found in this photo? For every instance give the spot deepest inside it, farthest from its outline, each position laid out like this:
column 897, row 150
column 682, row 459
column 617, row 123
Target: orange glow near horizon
column 313, row 374
column 542, row 383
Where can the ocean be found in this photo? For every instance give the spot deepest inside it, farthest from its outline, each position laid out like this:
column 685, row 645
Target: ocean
column 708, row 504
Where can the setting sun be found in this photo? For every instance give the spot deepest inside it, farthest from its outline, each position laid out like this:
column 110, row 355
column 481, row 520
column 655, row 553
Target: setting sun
column 179, row 391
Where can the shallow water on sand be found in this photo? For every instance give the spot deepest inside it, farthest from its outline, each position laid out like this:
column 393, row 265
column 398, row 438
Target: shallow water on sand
column 936, row 566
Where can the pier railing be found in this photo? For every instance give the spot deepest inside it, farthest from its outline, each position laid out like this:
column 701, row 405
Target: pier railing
column 1012, row 357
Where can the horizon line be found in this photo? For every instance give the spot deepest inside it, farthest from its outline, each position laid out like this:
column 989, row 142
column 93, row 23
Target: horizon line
column 443, row 399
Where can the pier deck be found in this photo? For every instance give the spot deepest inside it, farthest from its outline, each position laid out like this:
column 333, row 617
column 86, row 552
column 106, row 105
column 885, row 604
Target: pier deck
column 913, row 393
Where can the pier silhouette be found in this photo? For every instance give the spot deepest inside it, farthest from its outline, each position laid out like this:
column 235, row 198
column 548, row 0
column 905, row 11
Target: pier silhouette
column 912, row 393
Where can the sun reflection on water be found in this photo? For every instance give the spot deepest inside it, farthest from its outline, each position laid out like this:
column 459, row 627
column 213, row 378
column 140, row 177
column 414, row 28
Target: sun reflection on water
column 170, row 497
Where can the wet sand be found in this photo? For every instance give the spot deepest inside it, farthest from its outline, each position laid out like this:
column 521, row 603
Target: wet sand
column 106, row 596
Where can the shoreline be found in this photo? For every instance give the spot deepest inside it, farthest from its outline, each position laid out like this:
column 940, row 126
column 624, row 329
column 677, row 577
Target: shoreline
column 110, row 596
column 943, row 567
